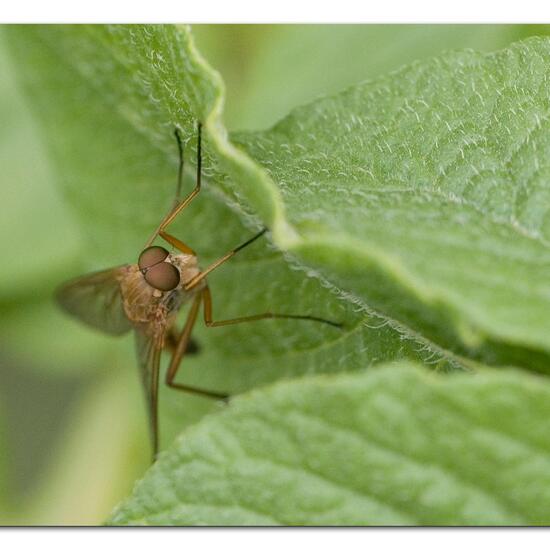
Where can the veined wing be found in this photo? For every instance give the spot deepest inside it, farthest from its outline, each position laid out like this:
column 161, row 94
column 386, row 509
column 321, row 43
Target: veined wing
column 96, row 300
column 148, row 351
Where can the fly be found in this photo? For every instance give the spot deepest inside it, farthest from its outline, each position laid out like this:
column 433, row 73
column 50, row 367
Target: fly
column 146, row 297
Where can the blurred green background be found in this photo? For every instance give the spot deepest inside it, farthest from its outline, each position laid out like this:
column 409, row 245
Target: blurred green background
column 73, row 435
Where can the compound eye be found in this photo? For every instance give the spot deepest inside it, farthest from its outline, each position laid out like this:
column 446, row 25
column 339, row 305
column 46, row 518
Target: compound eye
column 151, row 256
column 163, row 276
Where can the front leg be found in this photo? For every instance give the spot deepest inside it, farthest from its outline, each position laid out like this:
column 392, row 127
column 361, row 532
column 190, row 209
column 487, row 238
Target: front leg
column 176, row 243
column 179, row 206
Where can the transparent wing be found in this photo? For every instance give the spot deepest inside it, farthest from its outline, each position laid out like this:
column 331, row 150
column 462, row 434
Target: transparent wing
column 148, row 350
column 96, row 300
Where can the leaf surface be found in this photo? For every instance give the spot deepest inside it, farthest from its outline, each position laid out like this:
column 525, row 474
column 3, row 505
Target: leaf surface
column 395, row 445
column 104, row 96
column 411, row 207
column 420, row 195
column 427, row 194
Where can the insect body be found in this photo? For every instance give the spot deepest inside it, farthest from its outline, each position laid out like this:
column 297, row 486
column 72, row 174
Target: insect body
column 147, row 297
column 153, row 289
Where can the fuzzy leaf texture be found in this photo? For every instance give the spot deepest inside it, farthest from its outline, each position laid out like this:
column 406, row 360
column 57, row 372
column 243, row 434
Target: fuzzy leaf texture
column 414, row 209
column 427, row 198
column 396, row 445
column 108, row 123
column 421, row 195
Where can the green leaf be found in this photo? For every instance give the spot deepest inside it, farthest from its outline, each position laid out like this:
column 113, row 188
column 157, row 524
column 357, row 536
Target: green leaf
column 93, row 91
column 418, row 198
column 419, row 195
column 30, row 200
column 426, row 194
column 396, row 445
column 269, row 69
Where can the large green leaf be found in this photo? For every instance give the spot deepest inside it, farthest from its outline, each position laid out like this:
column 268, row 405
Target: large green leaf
column 419, row 194
column 427, row 197
column 117, row 160
column 396, row 445
column 411, row 194
column 269, row 69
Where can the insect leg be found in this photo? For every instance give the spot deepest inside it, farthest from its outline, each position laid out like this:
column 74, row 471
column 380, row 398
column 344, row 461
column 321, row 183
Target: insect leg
column 207, row 298
column 169, row 218
column 171, row 340
column 198, row 278
column 180, row 168
column 175, row 242
column 179, row 352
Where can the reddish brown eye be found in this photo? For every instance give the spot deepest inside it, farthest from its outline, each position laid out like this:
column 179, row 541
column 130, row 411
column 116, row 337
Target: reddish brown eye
column 151, row 256
column 163, row 276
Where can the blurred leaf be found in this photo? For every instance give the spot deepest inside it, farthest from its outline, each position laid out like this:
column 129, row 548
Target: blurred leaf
column 35, row 217
column 38, row 332
column 39, row 242
column 270, row 69
column 393, row 446
column 32, row 214
column 102, row 453
column 34, row 414
column 5, row 489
